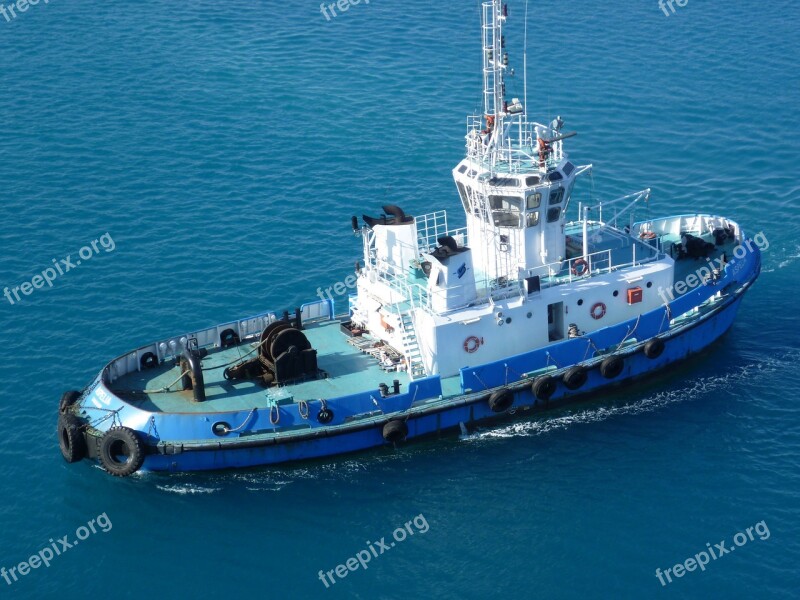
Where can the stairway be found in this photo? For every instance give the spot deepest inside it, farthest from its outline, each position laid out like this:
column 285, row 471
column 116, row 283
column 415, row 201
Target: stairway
column 411, row 349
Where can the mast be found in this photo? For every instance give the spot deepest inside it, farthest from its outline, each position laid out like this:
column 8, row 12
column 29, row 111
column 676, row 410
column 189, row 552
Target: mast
column 495, row 63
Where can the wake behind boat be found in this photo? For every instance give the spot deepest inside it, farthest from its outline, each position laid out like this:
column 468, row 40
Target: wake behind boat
column 517, row 312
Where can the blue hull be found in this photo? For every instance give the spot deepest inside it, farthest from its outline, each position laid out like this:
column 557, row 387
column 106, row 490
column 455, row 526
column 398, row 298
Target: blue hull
column 177, row 442
column 637, row 365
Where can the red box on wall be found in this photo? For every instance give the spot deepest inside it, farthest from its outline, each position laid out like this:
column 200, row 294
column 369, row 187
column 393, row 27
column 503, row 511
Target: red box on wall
column 634, row 295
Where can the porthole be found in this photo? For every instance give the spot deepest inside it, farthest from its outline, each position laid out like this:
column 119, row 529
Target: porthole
column 580, row 302
column 530, row 315
column 508, row 320
column 649, row 284
column 616, row 293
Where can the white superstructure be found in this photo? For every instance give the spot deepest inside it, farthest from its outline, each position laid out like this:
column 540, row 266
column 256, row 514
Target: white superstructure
column 518, row 275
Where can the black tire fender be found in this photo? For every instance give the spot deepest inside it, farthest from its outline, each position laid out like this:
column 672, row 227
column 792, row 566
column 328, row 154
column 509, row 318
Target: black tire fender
column 544, row 387
column 120, row 451
column 70, row 438
column 612, row 367
column 575, row 377
column 501, row 400
column 395, row 431
column 68, row 399
column 654, row 348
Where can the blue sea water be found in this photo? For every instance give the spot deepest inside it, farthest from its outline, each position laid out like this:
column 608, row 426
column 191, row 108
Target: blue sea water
column 224, row 146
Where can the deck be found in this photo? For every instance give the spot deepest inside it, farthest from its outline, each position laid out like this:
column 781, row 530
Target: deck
column 349, row 370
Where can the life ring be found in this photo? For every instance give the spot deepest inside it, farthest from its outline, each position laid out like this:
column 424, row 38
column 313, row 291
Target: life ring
column 575, row 377
column 612, row 367
column 471, row 344
column 121, row 452
column 70, row 439
column 395, row 431
column 501, row 401
column 580, row 267
column 598, row 311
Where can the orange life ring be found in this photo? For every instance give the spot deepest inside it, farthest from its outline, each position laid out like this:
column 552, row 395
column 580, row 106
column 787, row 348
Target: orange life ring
column 472, row 343
column 598, row 314
column 580, row 267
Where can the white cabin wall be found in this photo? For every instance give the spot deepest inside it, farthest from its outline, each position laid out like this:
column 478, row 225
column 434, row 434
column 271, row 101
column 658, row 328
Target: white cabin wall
column 601, row 289
column 443, row 344
column 442, row 340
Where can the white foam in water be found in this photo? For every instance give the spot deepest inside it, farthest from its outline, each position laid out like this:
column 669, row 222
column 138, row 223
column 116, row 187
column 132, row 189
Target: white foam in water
column 187, row 488
column 789, row 257
column 691, row 391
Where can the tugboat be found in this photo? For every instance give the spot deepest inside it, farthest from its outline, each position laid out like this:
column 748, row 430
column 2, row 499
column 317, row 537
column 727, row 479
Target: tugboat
column 517, row 312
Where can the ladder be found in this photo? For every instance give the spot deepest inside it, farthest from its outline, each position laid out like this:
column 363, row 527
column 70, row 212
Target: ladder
column 411, row 349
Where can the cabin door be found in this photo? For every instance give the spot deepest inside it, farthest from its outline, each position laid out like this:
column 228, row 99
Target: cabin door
column 555, row 321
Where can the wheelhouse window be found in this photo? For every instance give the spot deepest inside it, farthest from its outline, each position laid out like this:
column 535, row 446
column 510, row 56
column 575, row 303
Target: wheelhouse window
column 553, row 214
column 462, row 192
column 556, row 196
column 506, row 211
column 503, row 182
column 568, row 168
column 532, row 219
column 533, row 200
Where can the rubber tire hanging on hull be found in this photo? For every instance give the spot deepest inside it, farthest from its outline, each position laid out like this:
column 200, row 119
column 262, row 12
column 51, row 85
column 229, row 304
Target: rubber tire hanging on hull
column 395, row 431
column 121, row 441
column 654, row 348
column 612, row 367
column 575, row 377
column 68, row 399
column 70, row 439
column 544, row 387
column 501, row 401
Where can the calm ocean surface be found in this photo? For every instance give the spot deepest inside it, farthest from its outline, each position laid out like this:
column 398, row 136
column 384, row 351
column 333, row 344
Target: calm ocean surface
column 224, row 146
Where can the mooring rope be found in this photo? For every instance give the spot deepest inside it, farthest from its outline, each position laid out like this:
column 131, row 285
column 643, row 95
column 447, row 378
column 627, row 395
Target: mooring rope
column 163, row 390
column 302, row 408
column 247, row 418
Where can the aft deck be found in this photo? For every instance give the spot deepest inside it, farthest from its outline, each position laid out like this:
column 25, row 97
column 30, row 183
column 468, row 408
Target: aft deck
column 345, row 368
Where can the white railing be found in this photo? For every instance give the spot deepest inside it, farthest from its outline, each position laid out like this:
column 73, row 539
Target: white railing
column 521, row 153
column 246, row 329
column 592, row 265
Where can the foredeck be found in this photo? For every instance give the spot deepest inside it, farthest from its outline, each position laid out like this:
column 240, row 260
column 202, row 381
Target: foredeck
column 349, row 370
